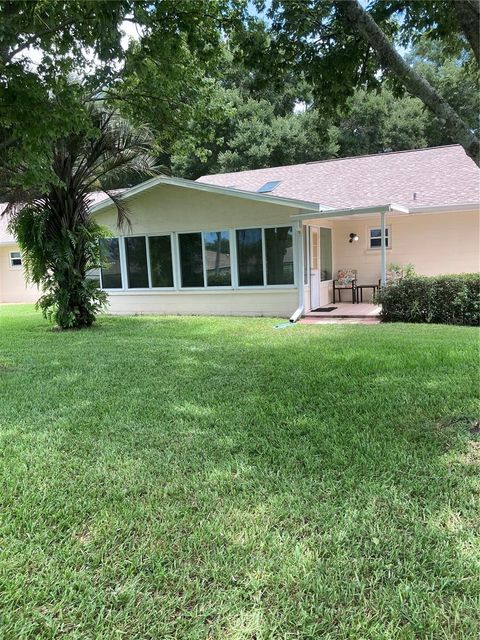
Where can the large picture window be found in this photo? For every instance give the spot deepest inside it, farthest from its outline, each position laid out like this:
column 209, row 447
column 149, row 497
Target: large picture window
column 136, row 257
column 161, row 270
column 214, row 247
column 111, row 271
column 250, row 257
column 217, row 258
column 325, row 254
column 191, row 259
column 279, row 248
column 264, row 257
column 272, row 255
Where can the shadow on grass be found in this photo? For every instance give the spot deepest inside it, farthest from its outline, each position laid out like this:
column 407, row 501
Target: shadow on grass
column 215, row 478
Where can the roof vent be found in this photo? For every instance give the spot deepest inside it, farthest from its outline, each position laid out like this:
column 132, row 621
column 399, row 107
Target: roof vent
column 269, row 186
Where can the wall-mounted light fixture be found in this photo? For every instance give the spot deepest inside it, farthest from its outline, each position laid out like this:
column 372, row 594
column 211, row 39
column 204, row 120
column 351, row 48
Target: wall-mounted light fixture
column 353, row 237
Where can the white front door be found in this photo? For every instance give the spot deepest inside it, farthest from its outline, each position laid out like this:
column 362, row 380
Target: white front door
column 314, row 267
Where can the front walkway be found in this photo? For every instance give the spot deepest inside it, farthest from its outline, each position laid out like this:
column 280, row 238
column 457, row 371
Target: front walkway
column 345, row 313
column 348, row 310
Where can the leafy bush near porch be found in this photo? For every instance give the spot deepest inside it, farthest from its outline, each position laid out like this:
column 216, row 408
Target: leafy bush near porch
column 452, row 299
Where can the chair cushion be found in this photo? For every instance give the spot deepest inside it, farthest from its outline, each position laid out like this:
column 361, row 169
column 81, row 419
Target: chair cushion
column 394, row 275
column 345, row 278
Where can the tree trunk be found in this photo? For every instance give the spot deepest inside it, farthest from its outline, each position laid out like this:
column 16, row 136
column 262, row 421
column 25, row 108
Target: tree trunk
column 468, row 15
column 359, row 21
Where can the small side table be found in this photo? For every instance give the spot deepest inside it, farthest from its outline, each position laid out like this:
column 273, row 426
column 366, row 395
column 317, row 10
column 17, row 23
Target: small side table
column 361, row 287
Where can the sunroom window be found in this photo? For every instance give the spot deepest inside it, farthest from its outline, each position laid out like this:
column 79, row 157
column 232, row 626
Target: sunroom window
column 217, row 258
column 160, row 249
column 250, row 257
column 191, row 259
column 111, row 271
column 205, row 259
column 279, row 248
column 136, row 258
column 268, row 251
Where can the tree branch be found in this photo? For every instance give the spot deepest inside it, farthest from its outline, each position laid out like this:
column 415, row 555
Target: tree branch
column 468, row 15
column 359, row 21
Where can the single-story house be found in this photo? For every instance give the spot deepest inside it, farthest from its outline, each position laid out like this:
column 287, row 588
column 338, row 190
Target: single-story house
column 271, row 241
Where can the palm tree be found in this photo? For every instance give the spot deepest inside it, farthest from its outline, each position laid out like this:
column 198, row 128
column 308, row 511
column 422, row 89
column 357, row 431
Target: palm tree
column 58, row 237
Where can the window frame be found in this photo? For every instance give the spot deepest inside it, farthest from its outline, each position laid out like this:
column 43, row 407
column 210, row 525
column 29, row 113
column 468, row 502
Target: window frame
column 176, row 264
column 204, row 255
column 264, row 257
column 294, row 255
column 11, row 258
column 147, row 258
column 121, row 257
column 123, row 264
column 206, row 287
column 388, row 238
column 264, row 266
column 180, row 282
column 172, row 254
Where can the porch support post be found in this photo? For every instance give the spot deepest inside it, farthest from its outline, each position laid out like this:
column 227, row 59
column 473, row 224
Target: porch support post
column 383, row 251
column 298, row 268
column 298, row 227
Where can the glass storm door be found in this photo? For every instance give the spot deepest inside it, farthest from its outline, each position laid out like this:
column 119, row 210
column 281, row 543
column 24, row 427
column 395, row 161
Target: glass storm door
column 314, row 267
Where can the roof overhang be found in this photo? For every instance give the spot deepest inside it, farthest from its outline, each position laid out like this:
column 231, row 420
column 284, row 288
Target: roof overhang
column 209, row 188
column 352, row 211
column 391, row 208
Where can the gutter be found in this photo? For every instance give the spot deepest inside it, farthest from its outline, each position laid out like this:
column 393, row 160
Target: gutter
column 297, row 314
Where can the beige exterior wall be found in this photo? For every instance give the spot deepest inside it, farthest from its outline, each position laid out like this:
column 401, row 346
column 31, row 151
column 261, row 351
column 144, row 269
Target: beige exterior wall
column 434, row 243
column 248, row 302
column 166, row 209
column 12, row 280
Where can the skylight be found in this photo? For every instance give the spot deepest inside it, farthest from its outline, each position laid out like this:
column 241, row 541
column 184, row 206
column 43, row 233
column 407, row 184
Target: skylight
column 269, row 186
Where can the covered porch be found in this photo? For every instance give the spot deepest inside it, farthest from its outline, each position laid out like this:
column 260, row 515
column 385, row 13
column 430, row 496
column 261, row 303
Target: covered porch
column 320, row 259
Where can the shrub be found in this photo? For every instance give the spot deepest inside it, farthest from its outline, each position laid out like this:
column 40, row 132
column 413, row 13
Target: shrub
column 451, row 299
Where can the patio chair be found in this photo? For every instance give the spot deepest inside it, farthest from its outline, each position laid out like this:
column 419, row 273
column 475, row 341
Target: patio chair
column 394, row 275
column 346, row 279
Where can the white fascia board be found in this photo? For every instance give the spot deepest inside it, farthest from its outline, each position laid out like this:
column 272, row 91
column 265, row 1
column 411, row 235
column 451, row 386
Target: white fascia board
column 389, row 208
column 351, row 211
column 446, row 208
column 209, row 188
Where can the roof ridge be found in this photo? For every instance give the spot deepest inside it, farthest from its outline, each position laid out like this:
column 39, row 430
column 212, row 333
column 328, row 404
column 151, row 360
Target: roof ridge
column 385, row 153
column 304, row 164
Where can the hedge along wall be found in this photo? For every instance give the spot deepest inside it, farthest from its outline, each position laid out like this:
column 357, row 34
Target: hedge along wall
column 437, row 299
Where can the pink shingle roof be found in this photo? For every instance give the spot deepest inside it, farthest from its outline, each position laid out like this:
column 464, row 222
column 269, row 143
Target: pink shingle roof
column 437, row 176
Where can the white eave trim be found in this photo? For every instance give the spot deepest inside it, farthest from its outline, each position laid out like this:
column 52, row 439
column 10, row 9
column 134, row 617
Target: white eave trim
column 446, row 208
column 209, row 188
column 353, row 211
column 388, row 208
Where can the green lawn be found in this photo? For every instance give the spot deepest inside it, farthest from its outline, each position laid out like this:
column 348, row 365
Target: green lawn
column 217, row 478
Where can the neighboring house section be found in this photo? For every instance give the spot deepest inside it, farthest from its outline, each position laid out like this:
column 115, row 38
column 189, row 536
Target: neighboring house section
column 13, row 283
column 270, row 241
column 13, row 287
